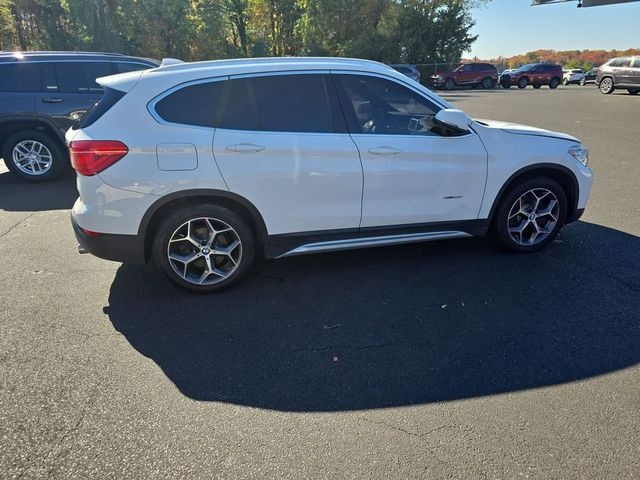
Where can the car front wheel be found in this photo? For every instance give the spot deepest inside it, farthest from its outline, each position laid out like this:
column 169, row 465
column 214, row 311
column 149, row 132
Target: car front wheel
column 606, row 86
column 530, row 215
column 523, row 82
column 34, row 156
column 450, row 84
column 583, row 82
column 204, row 248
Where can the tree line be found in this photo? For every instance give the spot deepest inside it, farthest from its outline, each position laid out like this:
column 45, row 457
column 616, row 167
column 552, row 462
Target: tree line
column 584, row 59
column 392, row 31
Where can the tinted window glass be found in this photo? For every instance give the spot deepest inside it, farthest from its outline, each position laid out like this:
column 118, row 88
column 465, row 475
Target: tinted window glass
column 616, row 62
column 192, row 105
column 20, row 77
column 385, row 107
column 123, row 67
column 402, row 69
column 636, row 63
column 292, row 103
column 238, row 112
column 108, row 100
column 624, row 62
column 81, row 76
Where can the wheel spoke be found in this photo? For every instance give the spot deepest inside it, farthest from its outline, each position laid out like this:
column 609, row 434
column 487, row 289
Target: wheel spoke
column 538, row 204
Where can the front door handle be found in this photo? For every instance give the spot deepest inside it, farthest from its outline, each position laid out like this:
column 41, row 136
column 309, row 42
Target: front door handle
column 384, row 151
column 245, row 148
column 52, row 100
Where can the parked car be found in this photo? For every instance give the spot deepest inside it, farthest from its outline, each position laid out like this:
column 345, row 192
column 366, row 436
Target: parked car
column 623, row 72
column 203, row 167
column 472, row 74
column 41, row 95
column 410, row 71
column 572, row 76
column 536, row 74
column 589, row 77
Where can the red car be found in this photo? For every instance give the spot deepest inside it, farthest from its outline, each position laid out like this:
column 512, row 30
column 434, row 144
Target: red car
column 536, row 74
column 482, row 75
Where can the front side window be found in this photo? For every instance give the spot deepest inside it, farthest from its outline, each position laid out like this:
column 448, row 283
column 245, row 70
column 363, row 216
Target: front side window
column 20, row 77
column 80, row 77
column 636, row 63
column 192, row 105
column 380, row 106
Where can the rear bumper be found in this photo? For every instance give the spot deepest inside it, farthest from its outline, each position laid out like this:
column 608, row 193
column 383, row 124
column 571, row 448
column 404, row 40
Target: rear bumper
column 117, row 248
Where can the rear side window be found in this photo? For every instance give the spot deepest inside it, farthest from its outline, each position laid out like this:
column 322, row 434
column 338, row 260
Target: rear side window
column 238, row 112
column 124, row 67
column 636, row 63
column 20, row 77
column 80, row 77
column 108, row 100
column 292, row 103
column 192, row 105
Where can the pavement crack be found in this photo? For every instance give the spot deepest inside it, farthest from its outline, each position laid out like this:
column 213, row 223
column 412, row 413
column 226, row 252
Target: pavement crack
column 16, row 225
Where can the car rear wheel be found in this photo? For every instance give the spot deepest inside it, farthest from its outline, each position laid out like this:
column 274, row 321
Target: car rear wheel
column 606, row 86
column 204, row 248
column 34, row 156
column 449, row 84
column 565, row 82
column 523, row 82
column 633, row 91
column 554, row 83
column 583, row 82
column 487, row 83
column 530, row 215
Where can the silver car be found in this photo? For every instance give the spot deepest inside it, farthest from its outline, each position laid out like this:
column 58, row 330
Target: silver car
column 409, row 70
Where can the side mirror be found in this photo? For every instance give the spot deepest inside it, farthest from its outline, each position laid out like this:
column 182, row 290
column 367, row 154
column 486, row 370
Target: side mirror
column 453, row 119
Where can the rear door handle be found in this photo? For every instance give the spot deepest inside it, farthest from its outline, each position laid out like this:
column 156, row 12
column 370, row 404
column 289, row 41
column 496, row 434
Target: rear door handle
column 52, row 100
column 245, row 148
column 384, row 151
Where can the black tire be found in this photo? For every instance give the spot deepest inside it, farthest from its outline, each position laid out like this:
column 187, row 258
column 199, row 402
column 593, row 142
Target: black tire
column 506, row 85
column 523, row 82
column 554, row 83
column 59, row 162
column 582, row 82
column 565, row 82
column 487, row 83
column 500, row 224
column 241, row 229
column 633, row 91
column 607, row 86
column 450, row 84
column 537, row 86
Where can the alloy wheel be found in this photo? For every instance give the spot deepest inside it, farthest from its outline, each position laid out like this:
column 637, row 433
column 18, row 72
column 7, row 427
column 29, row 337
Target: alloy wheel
column 533, row 217
column 204, row 251
column 32, row 157
column 606, row 85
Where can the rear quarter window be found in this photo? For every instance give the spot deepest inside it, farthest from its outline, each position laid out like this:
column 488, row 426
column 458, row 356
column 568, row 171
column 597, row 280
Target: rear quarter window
column 20, row 77
column 191, row 105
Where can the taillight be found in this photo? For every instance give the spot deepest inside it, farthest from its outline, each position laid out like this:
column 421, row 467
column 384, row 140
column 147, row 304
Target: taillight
column 89, row 157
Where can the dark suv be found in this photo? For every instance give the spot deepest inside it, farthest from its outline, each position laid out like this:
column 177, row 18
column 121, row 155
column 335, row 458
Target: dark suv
column 536, row 74
column 41, row 95
column 473, row 74
column 621, row 72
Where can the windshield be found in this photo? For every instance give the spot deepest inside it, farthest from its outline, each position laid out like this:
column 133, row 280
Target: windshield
column 526, row 68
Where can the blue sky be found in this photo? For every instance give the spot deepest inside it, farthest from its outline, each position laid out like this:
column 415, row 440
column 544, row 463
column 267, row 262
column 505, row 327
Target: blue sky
column 510, row 27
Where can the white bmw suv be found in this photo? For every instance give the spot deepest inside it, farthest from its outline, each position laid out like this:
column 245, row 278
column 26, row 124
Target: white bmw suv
column 203, row 167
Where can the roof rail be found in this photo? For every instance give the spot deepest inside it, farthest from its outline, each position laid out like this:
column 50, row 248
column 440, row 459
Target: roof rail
column 264, row 60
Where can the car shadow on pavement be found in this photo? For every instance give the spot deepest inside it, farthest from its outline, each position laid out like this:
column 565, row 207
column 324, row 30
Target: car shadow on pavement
column 394, row 326
column 17, row 195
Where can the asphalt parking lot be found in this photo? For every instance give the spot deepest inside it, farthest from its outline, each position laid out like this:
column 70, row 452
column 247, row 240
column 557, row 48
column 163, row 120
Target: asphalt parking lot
column 441, row 360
